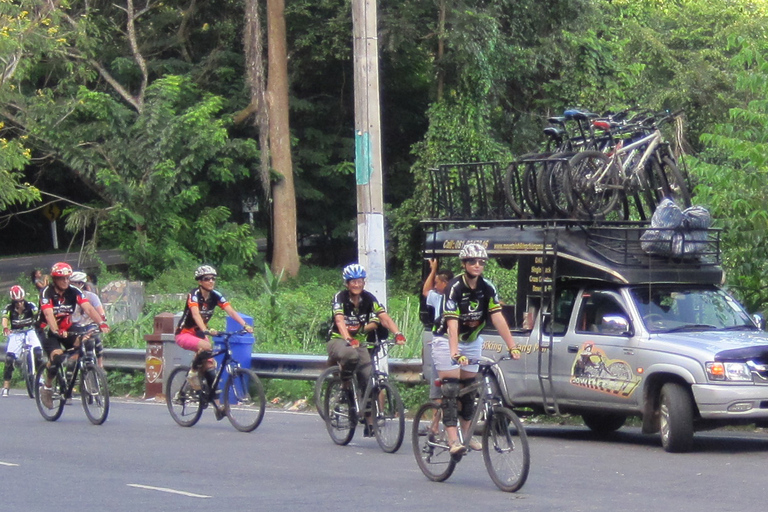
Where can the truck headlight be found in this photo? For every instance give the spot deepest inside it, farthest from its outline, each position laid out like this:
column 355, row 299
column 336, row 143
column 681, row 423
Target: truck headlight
column 729, row 371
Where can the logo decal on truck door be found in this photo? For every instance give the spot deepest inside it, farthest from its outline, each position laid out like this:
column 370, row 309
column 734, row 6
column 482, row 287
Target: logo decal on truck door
column 593, row 370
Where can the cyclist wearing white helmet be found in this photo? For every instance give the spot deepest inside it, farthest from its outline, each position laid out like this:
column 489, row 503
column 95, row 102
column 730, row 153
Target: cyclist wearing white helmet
column 81, row 321
column 190, row 333
column 469, row 302
column 18, row 324
column 356, row 312
column 58, row 302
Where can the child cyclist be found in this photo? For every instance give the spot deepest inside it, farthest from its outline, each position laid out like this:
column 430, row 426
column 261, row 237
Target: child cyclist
column 190, row 333
column 469, row 302
column 22, row 315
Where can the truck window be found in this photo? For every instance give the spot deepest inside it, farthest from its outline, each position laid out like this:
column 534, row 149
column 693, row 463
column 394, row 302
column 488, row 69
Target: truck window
column 596, row 306
column 564, row 300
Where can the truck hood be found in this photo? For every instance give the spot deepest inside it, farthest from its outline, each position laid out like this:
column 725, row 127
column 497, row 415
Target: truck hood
column 724, row 345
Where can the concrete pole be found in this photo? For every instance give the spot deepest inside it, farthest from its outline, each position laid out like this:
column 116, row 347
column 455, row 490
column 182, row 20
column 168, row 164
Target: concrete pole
column 368, row 166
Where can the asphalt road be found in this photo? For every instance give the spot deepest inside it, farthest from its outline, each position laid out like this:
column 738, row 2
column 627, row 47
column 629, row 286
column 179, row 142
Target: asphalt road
column 16, row 270
column 141, row 460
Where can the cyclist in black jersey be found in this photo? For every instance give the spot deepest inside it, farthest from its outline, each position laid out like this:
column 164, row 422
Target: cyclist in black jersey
column 356, row 313
column 58, row 302
column 190, row 333
column 468, row 303
column 18, row 325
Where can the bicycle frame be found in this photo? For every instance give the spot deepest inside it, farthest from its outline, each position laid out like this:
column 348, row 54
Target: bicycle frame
column 653, row 141
column 378, row 374
column 486, row 398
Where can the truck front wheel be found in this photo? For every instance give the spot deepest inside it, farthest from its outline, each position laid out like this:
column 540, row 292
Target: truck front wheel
column 676, row 418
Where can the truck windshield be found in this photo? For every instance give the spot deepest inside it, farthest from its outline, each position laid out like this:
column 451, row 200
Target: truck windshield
column 674, row 308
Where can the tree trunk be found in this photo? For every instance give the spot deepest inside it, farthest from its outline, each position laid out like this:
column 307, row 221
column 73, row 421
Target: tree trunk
column 285, row 255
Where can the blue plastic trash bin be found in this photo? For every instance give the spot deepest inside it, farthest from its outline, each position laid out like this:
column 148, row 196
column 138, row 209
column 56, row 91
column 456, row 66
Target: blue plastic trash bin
column 242, row 347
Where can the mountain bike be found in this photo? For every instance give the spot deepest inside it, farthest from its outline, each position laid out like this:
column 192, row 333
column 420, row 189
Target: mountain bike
column 243, row 401
column 642, row 166
column 379, row 408
column 25, row 362
column 505, row 444
column 79, row 368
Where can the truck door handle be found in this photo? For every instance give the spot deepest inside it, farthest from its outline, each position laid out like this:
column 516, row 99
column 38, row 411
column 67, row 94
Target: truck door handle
column 573, row 349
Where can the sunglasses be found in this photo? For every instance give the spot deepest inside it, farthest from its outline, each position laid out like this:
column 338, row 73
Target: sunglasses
column 208, row 279
column 476, row 261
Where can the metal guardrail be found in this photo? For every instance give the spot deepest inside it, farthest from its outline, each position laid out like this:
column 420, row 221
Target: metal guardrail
column 270, row 366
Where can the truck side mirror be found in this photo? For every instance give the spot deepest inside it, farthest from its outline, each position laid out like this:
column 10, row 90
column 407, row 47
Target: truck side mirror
column 615, row 324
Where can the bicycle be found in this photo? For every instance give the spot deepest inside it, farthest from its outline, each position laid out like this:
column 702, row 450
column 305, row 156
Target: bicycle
column 596, row 182
column 79, row 368
column 381, row 403
column 505, row 444
column 25, row 362
column 243, row 399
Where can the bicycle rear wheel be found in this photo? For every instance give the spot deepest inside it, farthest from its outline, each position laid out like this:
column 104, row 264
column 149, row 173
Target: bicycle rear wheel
column 94, row 392
column 183, row 402
column 551, row 185
column 50, row 413
column 430, row 443
column 341, row 419
column 388, row 417
column 244, row 400
column 505, row 450
column 513, row 189
column 321, row 388
column 593, row 187
column 678, row 187
column 28, row 372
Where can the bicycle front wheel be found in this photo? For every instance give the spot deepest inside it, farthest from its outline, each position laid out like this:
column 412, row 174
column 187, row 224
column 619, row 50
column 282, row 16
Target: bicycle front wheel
column 321, row 388
column 94, row 392
column 183, row 401
column 430, row 443
column 505, row 450
column 593, row 185
column 244, row 400
column 341, row 417
column 28, row 373
column 57, row 401
column 388, row 417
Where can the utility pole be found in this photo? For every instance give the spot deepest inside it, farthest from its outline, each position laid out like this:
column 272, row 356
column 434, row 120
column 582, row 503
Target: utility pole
column 368, row 166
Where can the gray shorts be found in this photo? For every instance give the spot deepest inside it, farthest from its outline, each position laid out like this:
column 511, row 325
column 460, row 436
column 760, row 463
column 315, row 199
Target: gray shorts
column 441, row 354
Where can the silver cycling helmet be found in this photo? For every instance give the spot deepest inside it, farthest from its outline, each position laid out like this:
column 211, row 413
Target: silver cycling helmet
column 78, row 277
column 204, row 270
column 470, row 251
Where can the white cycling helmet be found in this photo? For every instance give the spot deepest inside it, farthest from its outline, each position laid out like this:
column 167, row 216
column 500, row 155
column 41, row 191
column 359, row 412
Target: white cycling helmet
column 204, row 270
column 78, row 277
column 470, row 251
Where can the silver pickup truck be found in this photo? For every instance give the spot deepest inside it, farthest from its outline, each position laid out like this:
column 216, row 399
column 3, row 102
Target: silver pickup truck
column 608, row 331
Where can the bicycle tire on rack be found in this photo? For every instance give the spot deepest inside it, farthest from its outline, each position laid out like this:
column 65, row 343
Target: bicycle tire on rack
column 184, row 403
column 551, row 185
column 593, row 198
column 388, row 417
column 533, row 169
column 244, row 400
column 678, row 187
column 505, row 450
column 430, row 443
column 94, row 392
column 513, row 189
column 341, row 419
column 321, row 385
column 28, row 373
column 59, row 401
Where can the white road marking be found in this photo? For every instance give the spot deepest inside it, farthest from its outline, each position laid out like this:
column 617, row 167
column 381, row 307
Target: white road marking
column 171, row 491
column 8, row 464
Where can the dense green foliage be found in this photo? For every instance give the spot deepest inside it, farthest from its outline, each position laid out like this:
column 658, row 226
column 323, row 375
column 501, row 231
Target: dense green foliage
column 135, row 113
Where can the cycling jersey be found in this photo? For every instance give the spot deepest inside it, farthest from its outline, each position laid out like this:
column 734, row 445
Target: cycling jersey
column 206, row 307
column 63, row 305
column 355, row 317
column 471, row 307
column 23, row 320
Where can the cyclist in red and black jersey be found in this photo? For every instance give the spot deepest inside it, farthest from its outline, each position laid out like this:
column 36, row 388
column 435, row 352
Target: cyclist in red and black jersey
column 469, row 302
column 57, row 303
column 201, row 303
column 356, row 312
